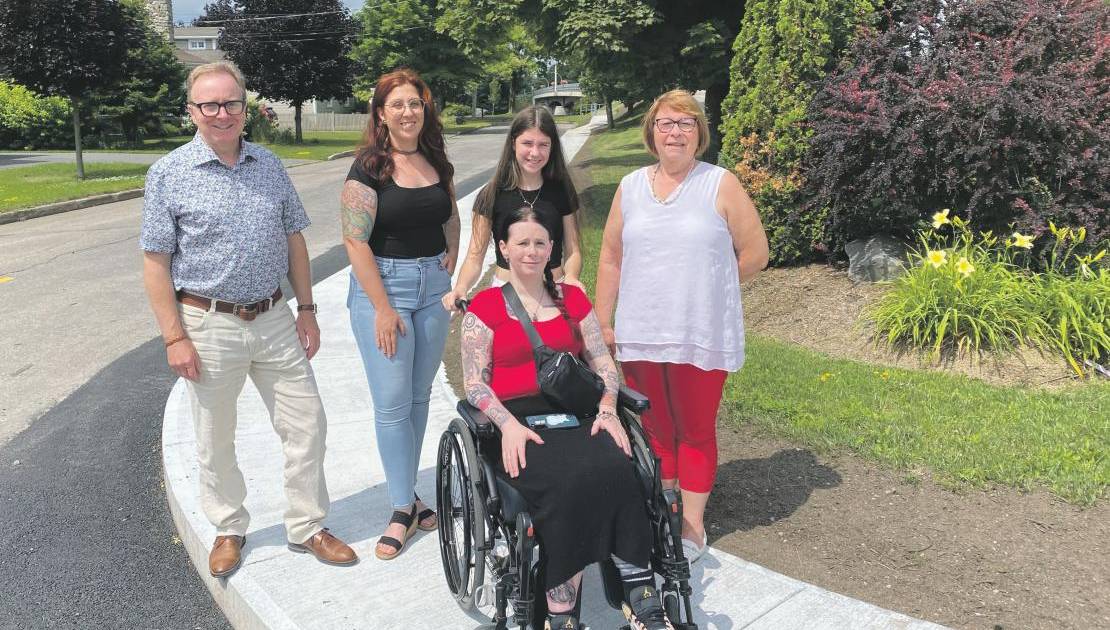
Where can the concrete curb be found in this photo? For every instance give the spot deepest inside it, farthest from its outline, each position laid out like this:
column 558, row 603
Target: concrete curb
column 67, row 206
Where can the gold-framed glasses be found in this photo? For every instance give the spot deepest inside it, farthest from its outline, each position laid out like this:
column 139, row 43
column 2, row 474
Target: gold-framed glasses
column 398, row 107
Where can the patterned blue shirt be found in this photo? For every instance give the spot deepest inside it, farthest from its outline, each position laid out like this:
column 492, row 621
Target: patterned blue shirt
column 225, row 228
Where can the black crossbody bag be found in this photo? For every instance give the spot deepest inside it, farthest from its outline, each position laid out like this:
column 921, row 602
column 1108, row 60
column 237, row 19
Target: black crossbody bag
column 565, row 381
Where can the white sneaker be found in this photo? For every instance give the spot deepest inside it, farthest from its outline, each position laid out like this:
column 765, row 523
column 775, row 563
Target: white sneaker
column 692, row 551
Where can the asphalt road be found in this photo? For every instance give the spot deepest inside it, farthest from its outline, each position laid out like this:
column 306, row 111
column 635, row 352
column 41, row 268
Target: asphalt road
column 12, row 159
column 27, row 158
column 88, row 538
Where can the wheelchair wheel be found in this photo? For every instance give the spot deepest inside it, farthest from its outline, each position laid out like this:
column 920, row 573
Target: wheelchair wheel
column 459, row 500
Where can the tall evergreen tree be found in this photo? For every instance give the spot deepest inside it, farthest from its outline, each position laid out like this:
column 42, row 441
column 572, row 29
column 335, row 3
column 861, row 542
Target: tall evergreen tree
column 784, row 48
column 155, row 84
column 67, row 48
column 289, row 50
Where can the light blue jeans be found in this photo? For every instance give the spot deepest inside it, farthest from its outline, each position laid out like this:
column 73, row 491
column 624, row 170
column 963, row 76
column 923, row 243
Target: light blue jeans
column 402, row 386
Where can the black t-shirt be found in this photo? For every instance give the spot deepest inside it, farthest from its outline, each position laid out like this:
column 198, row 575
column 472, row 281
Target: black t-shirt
column 552, row 205
column 410, row 221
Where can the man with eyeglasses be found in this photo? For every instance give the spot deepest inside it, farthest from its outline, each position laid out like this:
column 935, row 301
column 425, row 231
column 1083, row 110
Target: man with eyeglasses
column 221, row 225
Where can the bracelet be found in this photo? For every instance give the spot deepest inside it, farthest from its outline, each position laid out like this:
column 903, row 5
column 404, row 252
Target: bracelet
column 181, row 337
column 307, row 307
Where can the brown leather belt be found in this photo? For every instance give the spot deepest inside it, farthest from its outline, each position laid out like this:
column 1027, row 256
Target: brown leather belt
column 245, row 312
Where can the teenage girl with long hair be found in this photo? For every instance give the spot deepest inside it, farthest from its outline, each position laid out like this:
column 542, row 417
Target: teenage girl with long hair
column 530, row 173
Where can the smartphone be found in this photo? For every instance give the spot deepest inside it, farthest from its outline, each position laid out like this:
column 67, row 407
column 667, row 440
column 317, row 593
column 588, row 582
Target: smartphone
column 553, row 421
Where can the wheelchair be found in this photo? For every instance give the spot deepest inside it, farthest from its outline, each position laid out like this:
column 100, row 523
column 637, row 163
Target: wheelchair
column 487, row 541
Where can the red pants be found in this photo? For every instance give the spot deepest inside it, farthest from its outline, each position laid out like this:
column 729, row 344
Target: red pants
column 682, row 421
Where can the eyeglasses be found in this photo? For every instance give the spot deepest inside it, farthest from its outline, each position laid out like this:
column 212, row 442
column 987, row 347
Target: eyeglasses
column 398, row 107
column 665, row 125
column 211, row 109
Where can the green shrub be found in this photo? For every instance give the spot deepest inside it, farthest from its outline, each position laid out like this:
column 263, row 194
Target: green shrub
column 28, row 120
column 998, row 107
column 975, row 292
column 781, row 51
column 451, row 110
column 1073, row 297
column 958, row 295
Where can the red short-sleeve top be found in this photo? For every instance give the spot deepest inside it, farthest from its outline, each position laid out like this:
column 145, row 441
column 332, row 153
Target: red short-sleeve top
column 514, row 369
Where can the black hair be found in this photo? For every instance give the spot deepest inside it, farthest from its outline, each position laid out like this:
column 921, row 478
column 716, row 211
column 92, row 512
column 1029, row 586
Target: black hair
column 526, row 214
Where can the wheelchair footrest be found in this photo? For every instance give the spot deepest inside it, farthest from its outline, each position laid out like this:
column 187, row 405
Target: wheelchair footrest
column 675, row 569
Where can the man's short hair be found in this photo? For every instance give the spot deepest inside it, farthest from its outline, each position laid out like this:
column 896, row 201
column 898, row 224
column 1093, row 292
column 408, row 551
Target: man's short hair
column 225, row 67
column 680, row 101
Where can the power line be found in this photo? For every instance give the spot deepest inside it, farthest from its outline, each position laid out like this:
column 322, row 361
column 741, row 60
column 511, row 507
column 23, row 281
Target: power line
column 255, row 18
column 280, row 16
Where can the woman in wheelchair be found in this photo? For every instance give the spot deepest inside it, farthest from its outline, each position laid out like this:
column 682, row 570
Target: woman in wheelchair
column 582, row 492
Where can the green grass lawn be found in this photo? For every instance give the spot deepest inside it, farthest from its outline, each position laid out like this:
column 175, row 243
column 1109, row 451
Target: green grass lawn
column 575, row 119
column 28, row 186
column 958, row 430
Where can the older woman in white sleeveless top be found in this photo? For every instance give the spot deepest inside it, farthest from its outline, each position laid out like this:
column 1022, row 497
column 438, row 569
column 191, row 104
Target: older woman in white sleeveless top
column 681, row 236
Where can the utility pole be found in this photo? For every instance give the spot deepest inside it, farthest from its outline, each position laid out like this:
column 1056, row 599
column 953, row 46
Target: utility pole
column 556, row 77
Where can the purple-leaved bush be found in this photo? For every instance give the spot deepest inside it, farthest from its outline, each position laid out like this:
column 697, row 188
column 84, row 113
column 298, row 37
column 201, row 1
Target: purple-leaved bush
column 998, row 109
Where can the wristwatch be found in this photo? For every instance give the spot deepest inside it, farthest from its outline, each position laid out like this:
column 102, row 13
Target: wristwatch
column 308, row 307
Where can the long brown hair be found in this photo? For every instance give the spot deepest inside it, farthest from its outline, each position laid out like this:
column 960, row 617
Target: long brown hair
column 507, row 174
column 374, row 154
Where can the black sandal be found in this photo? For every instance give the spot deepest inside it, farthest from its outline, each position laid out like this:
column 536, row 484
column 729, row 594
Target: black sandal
column 408, row 519
column 425, row 513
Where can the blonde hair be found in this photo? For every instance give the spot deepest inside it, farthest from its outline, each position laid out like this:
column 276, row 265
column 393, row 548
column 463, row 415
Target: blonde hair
column 225, row 67
column 680, row 101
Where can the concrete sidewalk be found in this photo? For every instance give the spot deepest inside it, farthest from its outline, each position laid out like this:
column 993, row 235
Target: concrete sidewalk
column 279, row 589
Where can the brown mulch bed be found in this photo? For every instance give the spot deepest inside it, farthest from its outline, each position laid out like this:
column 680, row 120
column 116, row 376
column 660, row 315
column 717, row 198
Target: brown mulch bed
column 996, row 559
column 818, row 307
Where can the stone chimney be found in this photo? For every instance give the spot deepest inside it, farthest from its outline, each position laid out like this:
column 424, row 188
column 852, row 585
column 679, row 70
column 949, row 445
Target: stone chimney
column 161, row 17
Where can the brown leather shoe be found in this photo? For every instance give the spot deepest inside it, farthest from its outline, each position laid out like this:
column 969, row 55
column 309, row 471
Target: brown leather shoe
column 327, row 549
column 226, row 555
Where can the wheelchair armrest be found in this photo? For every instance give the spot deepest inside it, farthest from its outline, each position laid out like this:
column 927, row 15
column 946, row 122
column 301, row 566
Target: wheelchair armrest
column 478, row 422
column 632, row 400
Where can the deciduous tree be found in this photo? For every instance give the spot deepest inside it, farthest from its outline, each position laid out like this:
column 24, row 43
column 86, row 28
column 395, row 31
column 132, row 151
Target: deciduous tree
column 289, row 50
column 403, row 33
column 67, row 48
column 155, row 85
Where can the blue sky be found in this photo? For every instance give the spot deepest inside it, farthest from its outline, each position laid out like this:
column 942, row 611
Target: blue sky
column 188, row 10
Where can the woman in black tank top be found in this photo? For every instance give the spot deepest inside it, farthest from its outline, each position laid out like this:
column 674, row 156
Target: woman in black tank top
column 531, row 173
column 401, row 232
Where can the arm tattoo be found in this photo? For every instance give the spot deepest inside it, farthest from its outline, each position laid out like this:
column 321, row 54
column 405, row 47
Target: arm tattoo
column 358, row 208
column 564, row 593
column 597, row 355
column 477, row 353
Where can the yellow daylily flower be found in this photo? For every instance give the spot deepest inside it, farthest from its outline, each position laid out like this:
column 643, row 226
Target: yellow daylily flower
column 941, row 218
column 936, row 258
column 1022, row 241
column 964, row 266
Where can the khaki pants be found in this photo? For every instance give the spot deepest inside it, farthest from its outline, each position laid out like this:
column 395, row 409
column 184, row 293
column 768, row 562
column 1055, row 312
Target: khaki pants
column 267, row 350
